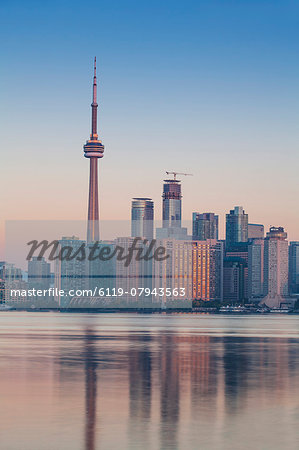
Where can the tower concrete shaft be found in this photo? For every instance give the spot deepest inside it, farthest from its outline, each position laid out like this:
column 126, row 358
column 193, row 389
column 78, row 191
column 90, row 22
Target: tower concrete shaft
column 93, row 149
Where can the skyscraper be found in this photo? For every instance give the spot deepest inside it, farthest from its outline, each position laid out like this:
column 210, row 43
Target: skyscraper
column 93, row 149
column 255, row 268
column 172, row 212
column 236, row 227
column 172, row 204
column 275, row 267
column 142, row 218
column 204, row 226
column 207, row 270
column 294, row 267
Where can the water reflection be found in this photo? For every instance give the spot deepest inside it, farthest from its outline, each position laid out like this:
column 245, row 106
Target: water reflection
column 90, row 390
column 151, row 388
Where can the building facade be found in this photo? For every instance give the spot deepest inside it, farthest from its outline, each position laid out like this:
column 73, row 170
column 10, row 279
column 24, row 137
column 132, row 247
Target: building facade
column 204, row 226
column 142, row 218
column 70, row 274
column 172, row 212
column 174, row 274
column 11, row 280
column 275, row 267
column 39, row 273
column 294, row 267
column 256, row 231
column 236, row 227
column 135, row 277
column 207, row 270
column 255, row 268
column 234, row 280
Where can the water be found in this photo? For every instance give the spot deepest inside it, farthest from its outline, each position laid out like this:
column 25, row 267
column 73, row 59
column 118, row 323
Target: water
column 125, row 381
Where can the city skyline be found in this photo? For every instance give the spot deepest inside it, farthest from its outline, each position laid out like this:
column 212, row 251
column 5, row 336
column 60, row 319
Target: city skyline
column 149, row 299
column 233, row 124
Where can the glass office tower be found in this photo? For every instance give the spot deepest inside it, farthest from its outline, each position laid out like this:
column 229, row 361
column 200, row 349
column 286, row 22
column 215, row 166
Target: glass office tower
column 236, row 227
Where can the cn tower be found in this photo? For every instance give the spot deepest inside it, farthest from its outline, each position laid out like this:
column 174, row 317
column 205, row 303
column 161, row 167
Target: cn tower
column 93, row 149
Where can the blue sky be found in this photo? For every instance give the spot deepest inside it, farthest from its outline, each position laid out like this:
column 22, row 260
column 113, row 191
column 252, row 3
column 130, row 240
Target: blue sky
column 208, row 87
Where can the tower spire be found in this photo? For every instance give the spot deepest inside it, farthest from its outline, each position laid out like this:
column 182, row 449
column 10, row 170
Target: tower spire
column 94, row 104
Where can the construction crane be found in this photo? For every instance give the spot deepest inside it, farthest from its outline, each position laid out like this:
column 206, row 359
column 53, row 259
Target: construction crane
column 178, row 173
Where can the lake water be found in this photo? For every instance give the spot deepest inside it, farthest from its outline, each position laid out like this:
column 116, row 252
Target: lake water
column 126, row 381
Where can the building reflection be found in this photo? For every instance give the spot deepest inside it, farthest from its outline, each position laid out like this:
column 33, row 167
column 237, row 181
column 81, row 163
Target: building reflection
column 236, row 352
column 169, row 369
column 140, row 388
column 159, row 382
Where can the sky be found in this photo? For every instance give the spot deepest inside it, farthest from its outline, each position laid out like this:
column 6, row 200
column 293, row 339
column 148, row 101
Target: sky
column 203, row 87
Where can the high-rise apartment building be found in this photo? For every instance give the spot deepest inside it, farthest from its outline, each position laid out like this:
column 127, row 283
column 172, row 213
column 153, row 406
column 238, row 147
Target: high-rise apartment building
column 275, row 267
column 174, row 273
column 207, row 270
column 204, row 226
column 142, row 218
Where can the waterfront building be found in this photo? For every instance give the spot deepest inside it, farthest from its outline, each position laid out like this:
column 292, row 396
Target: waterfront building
column 236, row 227
column 70, row 274
column 294, row 267
column 234, row 279
column 174, row 273
column 207, row 270
column 142, row 218
column 101, row 271
column 136, row 275
column 12, row 280
column 237, row 258
column 204, row 226
column 39, row 273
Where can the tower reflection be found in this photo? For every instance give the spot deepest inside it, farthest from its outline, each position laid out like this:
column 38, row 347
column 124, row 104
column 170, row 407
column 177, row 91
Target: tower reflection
column 90, row 389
